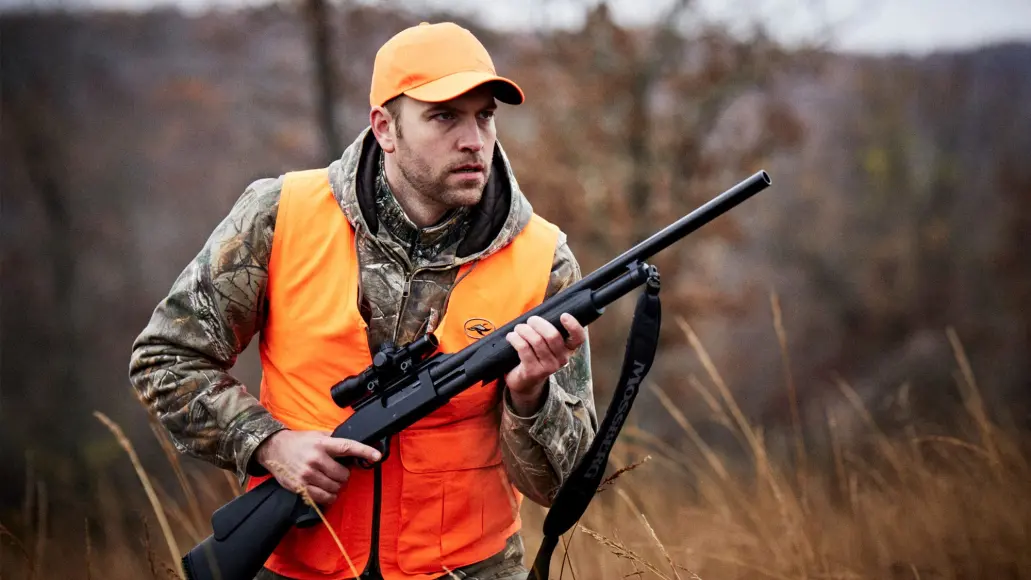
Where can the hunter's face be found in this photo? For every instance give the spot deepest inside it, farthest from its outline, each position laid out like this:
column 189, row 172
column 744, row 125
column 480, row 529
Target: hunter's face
column 444, row 150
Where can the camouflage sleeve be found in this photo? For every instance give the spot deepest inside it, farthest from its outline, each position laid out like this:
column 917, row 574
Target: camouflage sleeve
column 180, row 362
column 540, row 451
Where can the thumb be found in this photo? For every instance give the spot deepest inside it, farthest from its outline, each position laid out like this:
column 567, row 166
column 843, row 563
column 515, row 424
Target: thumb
column 338, row 447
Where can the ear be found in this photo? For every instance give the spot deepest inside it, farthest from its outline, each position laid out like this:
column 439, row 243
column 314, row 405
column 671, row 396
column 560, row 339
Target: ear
column 383, row 128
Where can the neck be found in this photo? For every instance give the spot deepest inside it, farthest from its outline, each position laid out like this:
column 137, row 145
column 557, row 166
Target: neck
column 422, row 211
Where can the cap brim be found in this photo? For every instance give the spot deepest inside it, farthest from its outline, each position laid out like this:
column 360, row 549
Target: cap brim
column 456, row 84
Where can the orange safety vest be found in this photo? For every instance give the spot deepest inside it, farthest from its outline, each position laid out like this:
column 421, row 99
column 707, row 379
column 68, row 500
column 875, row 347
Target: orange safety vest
column 446, row 501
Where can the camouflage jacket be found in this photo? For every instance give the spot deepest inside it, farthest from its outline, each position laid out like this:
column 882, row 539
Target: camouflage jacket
column 181, row 361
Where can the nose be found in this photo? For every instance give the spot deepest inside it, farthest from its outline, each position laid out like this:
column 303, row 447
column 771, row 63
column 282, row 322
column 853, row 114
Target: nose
column 470, row 138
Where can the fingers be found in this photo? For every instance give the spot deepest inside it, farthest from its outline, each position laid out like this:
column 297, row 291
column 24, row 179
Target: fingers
column 543, row 339
column 316, row 481
column 305, row 460
column 553, row 341
column 527, row 359
column 576, row 331
column 522, row 347
column 322, row 489
column 540, row 344
column 542, row 350
column 337, row 447
column 334, row 470
column 320, row 496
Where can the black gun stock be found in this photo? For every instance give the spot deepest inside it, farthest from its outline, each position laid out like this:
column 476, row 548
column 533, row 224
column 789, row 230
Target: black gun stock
column 248, row 528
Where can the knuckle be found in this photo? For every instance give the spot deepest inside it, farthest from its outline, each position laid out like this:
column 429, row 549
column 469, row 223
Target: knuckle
column 548, row 329
column 523, row 328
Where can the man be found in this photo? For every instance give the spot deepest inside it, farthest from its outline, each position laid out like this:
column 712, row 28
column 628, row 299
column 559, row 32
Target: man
column 419, row 227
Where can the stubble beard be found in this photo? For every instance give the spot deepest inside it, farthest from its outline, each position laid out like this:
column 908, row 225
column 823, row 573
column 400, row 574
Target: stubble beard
column 420, row 176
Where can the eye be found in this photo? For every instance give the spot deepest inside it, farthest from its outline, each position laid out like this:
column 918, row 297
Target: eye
column 487, row 114
column 444, row 116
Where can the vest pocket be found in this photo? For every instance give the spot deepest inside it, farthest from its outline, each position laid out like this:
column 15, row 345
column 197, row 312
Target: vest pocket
column 456, row 504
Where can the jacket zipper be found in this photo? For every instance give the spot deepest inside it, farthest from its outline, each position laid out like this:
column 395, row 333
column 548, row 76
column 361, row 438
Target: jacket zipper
column 372, row 569
column 404, row 303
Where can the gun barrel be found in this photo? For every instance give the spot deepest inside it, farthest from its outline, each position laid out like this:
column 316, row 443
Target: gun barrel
column 667, row 236
column 659, row 241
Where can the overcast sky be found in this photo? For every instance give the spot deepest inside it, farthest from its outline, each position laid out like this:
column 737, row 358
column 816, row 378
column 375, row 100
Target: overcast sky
column 914, row 26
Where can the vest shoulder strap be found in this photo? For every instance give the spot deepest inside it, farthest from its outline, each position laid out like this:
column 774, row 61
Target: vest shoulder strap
column 308, row 181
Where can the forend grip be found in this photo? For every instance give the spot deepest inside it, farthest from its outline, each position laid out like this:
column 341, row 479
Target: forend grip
column 582, row 305
column 495, row 356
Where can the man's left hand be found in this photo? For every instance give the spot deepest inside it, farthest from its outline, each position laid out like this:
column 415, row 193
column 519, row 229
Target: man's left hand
column 542, row 352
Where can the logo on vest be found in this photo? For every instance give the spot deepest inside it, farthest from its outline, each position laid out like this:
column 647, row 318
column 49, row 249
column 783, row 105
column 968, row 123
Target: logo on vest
column 477, row 328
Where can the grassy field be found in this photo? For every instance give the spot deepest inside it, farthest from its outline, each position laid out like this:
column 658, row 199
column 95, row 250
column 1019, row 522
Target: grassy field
column 909, row 505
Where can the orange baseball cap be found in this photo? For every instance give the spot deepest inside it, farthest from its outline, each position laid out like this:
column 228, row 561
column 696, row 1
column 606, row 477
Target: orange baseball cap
column 434, row 63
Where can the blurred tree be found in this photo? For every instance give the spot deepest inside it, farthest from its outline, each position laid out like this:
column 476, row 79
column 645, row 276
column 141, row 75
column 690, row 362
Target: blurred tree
column 40, row 326
column 317, row 20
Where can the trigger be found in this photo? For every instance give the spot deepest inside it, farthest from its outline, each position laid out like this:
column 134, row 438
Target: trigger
column 383, row 446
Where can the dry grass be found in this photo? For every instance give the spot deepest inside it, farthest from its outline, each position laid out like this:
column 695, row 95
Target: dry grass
column 913, row 506
column 916, row 506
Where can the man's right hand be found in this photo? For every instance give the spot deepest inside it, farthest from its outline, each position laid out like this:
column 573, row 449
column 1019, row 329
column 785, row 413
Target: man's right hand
column 297, row 458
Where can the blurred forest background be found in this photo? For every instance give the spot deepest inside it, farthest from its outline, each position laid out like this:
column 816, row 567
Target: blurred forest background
column 878, row 293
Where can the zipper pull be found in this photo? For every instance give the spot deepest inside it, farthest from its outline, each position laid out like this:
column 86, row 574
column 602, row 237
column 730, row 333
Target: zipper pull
column 408, row 288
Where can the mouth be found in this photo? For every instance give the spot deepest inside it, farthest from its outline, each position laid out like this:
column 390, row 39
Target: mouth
column 468, row 169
